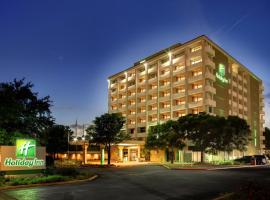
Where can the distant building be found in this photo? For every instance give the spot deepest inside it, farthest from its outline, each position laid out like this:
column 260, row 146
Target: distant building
column 197, row 76
column 79, row 130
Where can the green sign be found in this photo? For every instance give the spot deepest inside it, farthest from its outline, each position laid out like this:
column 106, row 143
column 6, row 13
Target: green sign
column 23, row 162
column 25, row 148
column 25, row 155
column 220, row 74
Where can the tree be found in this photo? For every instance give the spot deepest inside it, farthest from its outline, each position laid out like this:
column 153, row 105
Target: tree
column 240, row 131
column 200, row 129
column 21, row 111
column 56, row 139
column 106, row 130
column 267, row 137
column 167, row 135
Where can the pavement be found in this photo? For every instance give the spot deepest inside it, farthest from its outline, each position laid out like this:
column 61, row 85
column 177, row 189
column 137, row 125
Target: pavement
column 146, row 182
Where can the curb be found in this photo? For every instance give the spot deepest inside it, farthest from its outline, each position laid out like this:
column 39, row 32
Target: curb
column 224, row 196
column 214, row 169
column 49, row 184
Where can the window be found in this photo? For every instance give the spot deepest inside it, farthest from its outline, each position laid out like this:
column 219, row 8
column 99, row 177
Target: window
column 141, row 130
column 132, row 130
column 179, row 67
column 197, row 73
column 196, row 60
column 197, row 48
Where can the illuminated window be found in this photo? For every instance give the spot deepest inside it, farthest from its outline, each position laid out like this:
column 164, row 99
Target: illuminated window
column 196, row 60
column 197, row 73
column 179, row 67
column 196, row 48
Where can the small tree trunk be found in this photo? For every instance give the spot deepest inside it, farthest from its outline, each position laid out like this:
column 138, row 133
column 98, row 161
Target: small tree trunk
column 172, row 154
column 202, row 156
column 109, row 153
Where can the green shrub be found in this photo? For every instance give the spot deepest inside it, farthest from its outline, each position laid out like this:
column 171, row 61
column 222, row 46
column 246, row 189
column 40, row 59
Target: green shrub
column 35, row 180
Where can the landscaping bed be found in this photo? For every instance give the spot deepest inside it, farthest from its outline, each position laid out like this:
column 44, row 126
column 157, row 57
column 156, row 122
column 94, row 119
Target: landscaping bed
column 202, row 165
column 51, row 175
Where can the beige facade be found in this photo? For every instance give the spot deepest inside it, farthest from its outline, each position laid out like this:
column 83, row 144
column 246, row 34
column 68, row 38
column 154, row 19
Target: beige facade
column 197, row 76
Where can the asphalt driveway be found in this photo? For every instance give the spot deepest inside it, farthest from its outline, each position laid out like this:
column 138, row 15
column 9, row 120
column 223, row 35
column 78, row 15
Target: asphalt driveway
column 146, row 182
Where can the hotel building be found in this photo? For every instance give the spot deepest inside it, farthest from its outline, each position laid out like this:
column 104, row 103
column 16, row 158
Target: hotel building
column 196, row 76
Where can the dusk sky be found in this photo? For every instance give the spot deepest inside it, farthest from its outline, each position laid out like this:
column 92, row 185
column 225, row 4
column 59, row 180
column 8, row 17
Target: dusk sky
column 69, row 48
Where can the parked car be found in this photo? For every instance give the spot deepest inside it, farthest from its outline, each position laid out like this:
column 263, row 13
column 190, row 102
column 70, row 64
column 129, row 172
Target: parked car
column 244, row 160
column 261, row 159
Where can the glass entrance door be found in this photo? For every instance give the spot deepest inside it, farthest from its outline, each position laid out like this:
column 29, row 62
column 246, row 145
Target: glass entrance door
column 133, row 154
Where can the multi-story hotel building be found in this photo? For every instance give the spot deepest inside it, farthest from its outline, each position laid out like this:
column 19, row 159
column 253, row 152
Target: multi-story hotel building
column 197, row 76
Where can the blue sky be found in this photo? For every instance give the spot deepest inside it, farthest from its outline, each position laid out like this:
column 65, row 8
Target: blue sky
column 69, row 48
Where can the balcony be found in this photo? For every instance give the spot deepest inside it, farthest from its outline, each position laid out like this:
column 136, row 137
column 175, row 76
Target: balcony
column 164, row 87
column 195, row 91
column 131, row 116
column 209, row 50
column 131, row 87
column 152, row 112
column 208, row 62
column 195, row 104
column 152, row 69
column 164, row 110
column 122, row 100
column 141, row 94
column 141, row 83
column 151, row 80
column 179, row 107
column 131, row 96
column 166, row 98
column 131, row 126
column 144, row 135
column 141, row 104
column 122, row 109
column 209, row 88
column 132, row 77
column 179, row 95
column 210, row 102
column 178, row 83
column 165, row 75
column 234, row 84
column 179, row 71
column 262, row 137
column 178, row 59
column 210, row 76
column 131, row 106
column 195, row 78
column 141, row 124
column 113, row 85
column 142, row 73
column 152, row 101
column 166, row 64
column 123, row 80
column 151, row 91
column 141, row 114
column 195, row 66
column 196, row 53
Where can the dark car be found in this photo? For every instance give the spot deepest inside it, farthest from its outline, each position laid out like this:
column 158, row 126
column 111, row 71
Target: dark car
column 244, row 160
column 260, row 159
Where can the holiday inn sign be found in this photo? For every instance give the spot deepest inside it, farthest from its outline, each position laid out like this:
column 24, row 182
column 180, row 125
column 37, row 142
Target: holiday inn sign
column 24, row 156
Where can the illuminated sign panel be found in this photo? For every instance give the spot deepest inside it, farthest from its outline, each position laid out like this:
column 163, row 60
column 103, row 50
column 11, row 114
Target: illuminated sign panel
column 24, row 156
column 25, row 148
column 220, row 74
